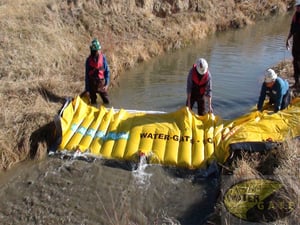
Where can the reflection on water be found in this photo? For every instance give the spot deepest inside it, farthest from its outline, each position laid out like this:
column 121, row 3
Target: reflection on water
column 68, row 191
column 237, row 60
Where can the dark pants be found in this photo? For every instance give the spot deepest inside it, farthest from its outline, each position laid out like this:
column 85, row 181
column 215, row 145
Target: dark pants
column 200, row 103
column 296, row 56
column 95, row 87
column 286, row 100
column 296, row 65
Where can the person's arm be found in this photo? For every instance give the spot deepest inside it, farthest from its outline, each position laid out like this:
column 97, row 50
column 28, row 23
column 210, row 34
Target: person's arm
column 292, row 27
column 287, row 43
column 189, row 85
column 210, row 109
column 87, row 82
column 208, row 93
column 279, row 88
column 106, row 71
column 188, row 100
column 262, row 97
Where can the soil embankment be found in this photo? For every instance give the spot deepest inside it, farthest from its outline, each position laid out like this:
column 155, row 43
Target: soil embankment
column 44, row 45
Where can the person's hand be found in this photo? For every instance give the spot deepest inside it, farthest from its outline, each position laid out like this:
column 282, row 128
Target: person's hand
column 188, row 103
column 104, row 88
column 86, row 95
column 287, row 44
column 210, row 109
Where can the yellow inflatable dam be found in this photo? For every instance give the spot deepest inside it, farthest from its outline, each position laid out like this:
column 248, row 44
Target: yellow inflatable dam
column 181, row 138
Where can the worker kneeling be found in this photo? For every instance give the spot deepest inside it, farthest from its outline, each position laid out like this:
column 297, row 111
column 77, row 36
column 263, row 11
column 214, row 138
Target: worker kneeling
column 277, row 89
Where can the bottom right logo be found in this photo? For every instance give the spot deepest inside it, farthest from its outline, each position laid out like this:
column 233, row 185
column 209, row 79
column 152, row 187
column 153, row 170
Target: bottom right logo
column 260, row 200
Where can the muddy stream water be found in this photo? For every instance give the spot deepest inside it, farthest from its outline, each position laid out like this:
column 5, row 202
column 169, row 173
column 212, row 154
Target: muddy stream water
column 63, row 190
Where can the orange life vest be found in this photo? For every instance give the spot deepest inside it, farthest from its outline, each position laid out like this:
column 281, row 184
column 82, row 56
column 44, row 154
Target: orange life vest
column 96, row 67
column 198, row 82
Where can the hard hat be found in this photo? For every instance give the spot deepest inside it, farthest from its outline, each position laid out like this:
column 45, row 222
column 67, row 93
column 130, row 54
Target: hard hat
column 201, row 66
column 270, row 76
column 95, row 45
column 297, row 2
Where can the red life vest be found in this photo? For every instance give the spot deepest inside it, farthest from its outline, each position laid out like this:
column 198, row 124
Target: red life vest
column 199, row 83
column 296, row 19
column 96, row 66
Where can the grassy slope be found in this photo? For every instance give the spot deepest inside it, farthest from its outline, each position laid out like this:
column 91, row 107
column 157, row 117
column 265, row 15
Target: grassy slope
column 44, row 45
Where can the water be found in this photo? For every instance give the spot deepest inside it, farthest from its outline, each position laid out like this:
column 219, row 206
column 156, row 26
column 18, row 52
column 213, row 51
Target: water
column 66, row 191
column 237, row 60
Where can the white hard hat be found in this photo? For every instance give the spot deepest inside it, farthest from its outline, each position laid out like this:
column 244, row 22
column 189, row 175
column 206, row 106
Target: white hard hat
column 270, row 76
column 201, row 66
column 297, row 2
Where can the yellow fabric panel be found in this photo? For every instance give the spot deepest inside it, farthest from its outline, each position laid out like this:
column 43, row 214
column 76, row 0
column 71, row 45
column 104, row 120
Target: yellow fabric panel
column 184, row 152
column 172, row 148
column 173, row 134
column 159, row 144
column 154, row 127
column 112, row 134
column 80, row 109
column 197, row 143
column 122, row 135
column 91, row 132
column 147, row 137
column 80, row 132
column 263, row 126
column 66, row 119
column 185, row 140
column 119, row 147
column 133, row 142
column 155, row 137
column 209, row 126
column 101, row 132
column 256, row 127
column 219, row 153
column 180, row 138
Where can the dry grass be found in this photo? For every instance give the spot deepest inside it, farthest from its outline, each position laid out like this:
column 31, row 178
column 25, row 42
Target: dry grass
column 288, row 172
column 246, row 168
column 280, row 164
column 289, row 159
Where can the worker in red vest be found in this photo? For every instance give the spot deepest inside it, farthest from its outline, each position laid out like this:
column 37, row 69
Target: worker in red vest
column 199, row 87
column 97, row 74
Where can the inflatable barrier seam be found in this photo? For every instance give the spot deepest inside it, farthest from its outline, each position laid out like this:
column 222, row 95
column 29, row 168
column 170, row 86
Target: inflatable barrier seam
column 180, row 138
